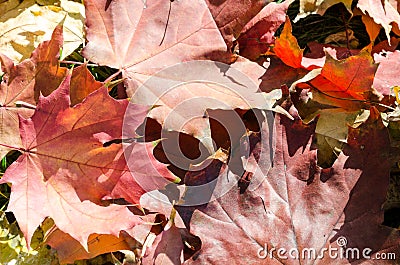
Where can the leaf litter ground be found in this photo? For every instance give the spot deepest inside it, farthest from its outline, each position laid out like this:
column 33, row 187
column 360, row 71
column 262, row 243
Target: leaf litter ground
column 355, row 169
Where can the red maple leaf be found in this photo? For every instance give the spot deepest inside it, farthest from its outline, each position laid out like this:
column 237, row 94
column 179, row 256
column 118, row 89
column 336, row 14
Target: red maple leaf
column 66, row 168
column 300, row 207
column 127, row 35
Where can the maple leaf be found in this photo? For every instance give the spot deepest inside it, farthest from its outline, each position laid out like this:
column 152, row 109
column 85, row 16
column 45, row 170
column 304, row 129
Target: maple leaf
column 346, row 83
column 27, row 23
column 299, row 206
column 343, row 81
column 130, row 41
column 22, row 84
column 258, row 34
column 63, row 160
column 183, row 41
column 65, row 165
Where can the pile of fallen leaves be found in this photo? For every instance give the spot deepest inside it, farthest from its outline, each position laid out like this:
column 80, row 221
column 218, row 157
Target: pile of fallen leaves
column 297, row 160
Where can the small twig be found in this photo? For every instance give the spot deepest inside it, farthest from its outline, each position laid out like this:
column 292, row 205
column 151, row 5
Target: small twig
column 385, row 106
column 22, row 104
column 111, row 77
column 79, row 63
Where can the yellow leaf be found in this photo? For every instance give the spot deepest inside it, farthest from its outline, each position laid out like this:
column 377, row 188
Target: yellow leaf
column 396, row 92
column 24, row 26
column 308, row 7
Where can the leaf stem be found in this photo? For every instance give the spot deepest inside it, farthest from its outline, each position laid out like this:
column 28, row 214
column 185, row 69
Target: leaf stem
column 79, row 63
column 111, row 77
